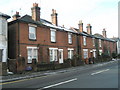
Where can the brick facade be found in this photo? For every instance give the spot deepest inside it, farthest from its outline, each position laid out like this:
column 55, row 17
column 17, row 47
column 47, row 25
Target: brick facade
column 19, row 40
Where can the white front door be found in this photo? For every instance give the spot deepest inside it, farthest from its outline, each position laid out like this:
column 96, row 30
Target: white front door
column 60, row 55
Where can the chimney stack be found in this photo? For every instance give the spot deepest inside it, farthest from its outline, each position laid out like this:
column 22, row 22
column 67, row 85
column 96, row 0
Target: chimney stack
column 35, row 12
column 80, row 26
column 104, row 33
column 16, row 16
column 89, row 29
column 54, row 17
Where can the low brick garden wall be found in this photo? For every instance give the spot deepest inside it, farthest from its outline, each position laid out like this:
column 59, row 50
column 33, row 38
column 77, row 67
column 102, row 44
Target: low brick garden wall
column 3, row 68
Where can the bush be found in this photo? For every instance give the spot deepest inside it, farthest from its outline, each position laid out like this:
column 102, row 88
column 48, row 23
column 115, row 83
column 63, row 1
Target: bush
column 105, row 55
column 114, row 55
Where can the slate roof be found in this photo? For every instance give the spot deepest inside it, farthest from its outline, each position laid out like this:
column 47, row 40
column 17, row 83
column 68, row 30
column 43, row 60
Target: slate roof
column 43, row 22
column 4, row 15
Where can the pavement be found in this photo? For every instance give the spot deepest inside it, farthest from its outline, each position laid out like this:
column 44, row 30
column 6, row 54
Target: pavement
column 28, row 75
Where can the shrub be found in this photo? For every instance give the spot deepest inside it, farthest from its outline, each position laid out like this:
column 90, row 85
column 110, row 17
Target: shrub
column 114, row 55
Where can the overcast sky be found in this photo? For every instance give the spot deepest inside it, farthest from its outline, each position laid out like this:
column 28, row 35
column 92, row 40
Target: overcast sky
column 99, row 13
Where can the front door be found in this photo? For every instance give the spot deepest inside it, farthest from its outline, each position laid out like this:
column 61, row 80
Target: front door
column 1, row 55
column 60, row 55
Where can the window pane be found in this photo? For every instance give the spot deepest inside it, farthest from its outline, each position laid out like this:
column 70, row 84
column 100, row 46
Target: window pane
column 85, row 54
column 51, row 55
column 32, row 33
column 55, row 55
column 53, row 36
column 69, row 54
column 35, row 54
column 69, row 38
column 29, row 55
column 4, row 25
column 84, row 40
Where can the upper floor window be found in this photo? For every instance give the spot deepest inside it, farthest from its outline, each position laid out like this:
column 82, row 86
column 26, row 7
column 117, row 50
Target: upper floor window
column 3, row 27
column 84, row 40
column 93, row 41
column 32, row 32
column 100, row 44
column 70, row 38
column 53, row 35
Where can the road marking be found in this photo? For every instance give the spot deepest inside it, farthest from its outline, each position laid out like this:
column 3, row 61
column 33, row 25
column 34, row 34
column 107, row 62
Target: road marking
column 100, row 71
column 21, row 80
column 59, row 83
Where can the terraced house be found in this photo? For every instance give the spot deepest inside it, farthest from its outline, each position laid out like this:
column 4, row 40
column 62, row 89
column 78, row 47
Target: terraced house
column 32, row 37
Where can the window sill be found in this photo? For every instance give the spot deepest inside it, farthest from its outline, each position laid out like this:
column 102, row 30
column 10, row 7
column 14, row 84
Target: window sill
column 53, row 42
column 70, row 43
column 32, row 39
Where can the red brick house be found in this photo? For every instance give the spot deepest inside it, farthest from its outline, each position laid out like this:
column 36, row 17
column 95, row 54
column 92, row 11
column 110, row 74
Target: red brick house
column 34, row 38
column 93, row 45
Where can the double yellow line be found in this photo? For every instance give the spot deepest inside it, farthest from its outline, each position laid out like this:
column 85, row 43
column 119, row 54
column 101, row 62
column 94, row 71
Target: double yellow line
column 21, row 80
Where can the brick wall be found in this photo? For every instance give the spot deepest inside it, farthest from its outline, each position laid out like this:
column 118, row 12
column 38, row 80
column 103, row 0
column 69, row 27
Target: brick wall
column 42, row 41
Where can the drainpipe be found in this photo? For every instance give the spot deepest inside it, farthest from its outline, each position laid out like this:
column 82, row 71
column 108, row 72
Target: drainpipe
column 18, row 39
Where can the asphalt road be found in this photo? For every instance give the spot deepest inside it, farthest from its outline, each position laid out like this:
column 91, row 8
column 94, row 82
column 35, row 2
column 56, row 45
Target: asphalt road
column 102, row 76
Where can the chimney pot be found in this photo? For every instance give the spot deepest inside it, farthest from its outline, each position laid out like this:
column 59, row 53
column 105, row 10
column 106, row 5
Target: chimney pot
column 54, row 17
column 89, row 29
column 16, row 16
column 35, row 5
column 104, row 33
column 35, row 12
column 80, row 26
column 80, row 22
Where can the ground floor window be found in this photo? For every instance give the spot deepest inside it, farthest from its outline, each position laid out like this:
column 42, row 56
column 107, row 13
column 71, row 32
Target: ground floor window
column 53, row 54
column 100, row 52
column 70, row 53
column 32, row 53
column 1, row 55
column 85, row 53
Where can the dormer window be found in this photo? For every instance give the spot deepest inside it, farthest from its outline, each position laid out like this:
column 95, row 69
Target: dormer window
column 53, row 35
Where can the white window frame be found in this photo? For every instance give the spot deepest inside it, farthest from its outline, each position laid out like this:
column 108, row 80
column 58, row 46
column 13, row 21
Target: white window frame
column 32, row 32
column 53, row 36
column 3, row 27
column 93, row 41
column 84, row 40
column 71, row 53
column 70, row 38
column 61, row 59
column 32, row 54
column 100, row 43
column 54, row 55
column 100, row 52
column 85, row 52
column 94, row 53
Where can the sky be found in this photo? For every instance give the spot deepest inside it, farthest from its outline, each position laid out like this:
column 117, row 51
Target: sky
column 99, row 13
